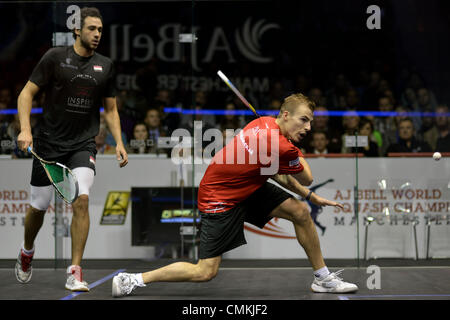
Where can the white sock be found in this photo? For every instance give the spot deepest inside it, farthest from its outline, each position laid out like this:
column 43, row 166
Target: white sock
column 139, row 278
column 321, row 273
column 28, row 252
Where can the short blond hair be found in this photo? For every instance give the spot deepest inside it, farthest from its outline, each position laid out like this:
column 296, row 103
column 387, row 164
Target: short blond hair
column 291, row 102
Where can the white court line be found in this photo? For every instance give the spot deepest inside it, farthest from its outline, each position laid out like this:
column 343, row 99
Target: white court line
column 330, row 267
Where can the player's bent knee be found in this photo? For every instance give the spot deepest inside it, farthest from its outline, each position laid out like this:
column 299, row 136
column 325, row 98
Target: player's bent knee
column 207, row 271
column 208, row 274
column 81, row 204
column 300, row 212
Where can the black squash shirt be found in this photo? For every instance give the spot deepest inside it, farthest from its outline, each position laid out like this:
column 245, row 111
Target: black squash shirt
column 74, row 87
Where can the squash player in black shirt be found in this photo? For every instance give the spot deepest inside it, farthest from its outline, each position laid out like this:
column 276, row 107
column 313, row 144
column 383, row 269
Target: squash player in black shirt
column 77, row 81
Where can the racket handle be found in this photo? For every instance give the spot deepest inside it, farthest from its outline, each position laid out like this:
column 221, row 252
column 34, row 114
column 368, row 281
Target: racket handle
column 29, row 149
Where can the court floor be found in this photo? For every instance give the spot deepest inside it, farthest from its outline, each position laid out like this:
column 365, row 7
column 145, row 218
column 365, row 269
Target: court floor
column 239, row 280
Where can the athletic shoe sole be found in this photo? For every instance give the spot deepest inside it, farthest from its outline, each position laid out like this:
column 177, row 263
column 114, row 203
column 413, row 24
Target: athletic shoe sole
column 115, row 287
column 319, row 289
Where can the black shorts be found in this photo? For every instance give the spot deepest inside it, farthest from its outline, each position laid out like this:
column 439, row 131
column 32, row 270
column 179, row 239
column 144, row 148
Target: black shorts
column 221, row 232
column 84, row 156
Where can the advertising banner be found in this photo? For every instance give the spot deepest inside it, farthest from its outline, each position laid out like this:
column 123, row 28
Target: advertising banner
column 393, row 194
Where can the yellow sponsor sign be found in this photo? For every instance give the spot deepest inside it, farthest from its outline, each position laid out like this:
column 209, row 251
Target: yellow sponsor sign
column 116, row 207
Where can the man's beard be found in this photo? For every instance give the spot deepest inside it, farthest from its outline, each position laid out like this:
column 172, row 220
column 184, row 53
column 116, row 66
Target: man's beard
column 85, row 44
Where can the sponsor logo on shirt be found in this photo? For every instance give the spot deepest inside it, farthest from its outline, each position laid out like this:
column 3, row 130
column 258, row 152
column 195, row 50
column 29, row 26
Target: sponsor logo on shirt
column 255, row 130
column 294, row 163
column 68, row 65
column 98, row 68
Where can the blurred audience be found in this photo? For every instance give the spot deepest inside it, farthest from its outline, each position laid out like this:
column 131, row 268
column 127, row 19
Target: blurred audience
column 101, row 144
column 443, row 127
column 365, row 128
column 407, row 141
column 385, row 125
column 140, row 142
column 372, row 88
column 153, row 122
column 350, row 123
column 319, row 142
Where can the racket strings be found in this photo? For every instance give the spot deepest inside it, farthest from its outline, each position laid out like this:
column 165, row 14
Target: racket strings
column 63, row 180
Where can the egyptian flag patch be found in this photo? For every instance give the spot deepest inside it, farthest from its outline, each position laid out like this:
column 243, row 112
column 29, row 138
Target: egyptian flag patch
column 98, row 68
column 92, row 160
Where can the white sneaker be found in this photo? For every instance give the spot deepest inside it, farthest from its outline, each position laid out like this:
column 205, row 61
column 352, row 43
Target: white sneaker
column 75, row 279
column 124, row 283
column 332, row 284
column 23, row 268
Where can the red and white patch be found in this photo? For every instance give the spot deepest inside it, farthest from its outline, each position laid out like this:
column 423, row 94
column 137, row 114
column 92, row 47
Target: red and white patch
column 98, row 68
column 92, row 160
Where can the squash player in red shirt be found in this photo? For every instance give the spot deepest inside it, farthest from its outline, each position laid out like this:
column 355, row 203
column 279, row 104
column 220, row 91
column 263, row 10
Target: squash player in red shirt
column 234, row 190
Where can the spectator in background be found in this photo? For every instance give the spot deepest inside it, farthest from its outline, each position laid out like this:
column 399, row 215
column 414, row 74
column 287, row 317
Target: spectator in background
column 371, row 93
column 153, row 121
column 315, row 94
column 385, row 125
column 338, row 92
column 365, row 128
column 140, row 142
column 301, row 84
column 127, row 118
column 6, row 97
column 352, row 99
column 390, row 94
column 208, row 120
column 5, row 139
column 110, row 139
column 409, row 99
column 100, row 141
column 407, row 141
column 402, row 113
column 201, row 99
column 276, row 90
column 384, row 89
column 164, row 99
column 350, row 123
column 319, row 143
column 322, row 123
column 275, row 105
column 230, row 120
column 428, row 129
column 443, row 127
column 188, row 123
column 427, row 104
column 426, row 99
column 415, row 81
column 13, row 131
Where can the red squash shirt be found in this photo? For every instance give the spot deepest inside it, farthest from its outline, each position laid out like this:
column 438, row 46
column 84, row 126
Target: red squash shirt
column 240, row 168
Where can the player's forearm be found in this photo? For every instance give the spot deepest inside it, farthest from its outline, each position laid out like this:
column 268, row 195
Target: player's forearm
column 24, row 103
column 291, row 184
column 113, row 121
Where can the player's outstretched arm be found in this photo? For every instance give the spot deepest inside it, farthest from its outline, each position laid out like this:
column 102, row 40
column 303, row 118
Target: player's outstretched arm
column 24, row 102
column 293, row 185
column 113, row 121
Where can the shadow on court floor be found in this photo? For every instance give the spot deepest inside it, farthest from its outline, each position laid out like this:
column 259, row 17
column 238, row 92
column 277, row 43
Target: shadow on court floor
column 239, row 280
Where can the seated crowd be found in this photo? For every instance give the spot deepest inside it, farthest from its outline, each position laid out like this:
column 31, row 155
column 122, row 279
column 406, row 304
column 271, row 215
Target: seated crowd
column 420, row 123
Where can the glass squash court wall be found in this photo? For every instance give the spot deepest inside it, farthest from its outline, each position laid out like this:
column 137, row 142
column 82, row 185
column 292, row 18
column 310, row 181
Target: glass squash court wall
column 364, row 64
